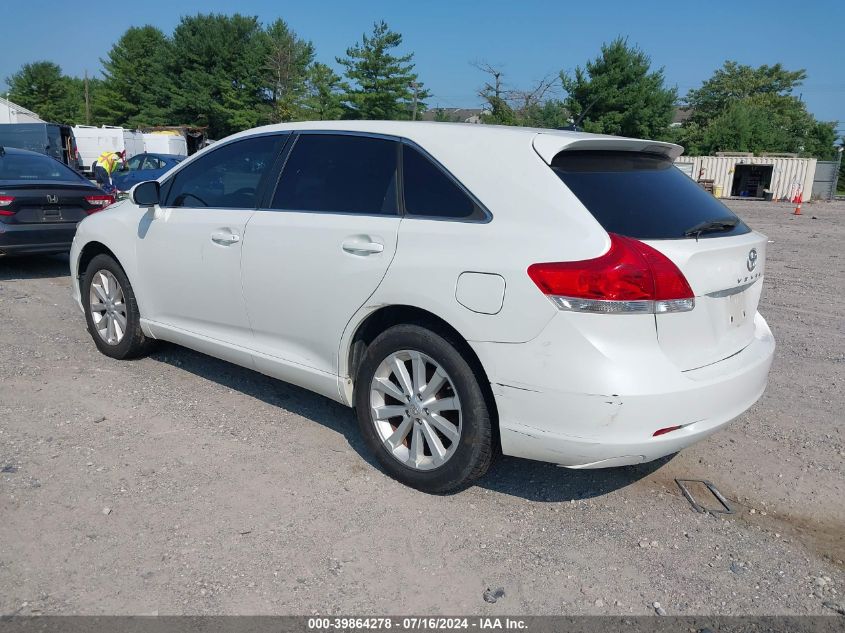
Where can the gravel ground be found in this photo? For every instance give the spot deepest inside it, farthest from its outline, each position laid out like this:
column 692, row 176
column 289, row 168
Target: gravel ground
column 180, row 484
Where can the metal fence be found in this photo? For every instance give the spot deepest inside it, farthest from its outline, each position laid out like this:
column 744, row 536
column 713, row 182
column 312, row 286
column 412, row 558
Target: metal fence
column 824, row 183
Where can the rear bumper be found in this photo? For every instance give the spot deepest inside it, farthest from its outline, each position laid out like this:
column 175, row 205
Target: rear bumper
column 19, row 239
column 617, row 401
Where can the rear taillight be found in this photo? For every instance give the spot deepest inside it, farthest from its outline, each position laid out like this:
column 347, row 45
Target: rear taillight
column 631, row 278
column 99, row 202
column 6, row 201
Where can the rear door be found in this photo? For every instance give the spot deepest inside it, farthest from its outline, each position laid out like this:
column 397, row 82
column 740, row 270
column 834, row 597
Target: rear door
column 319, row 248
column 642, row 195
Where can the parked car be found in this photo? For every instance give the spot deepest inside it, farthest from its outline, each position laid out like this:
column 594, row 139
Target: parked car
column 569, row 297
column 50, row 139
column 41, row 202
column 144, row 167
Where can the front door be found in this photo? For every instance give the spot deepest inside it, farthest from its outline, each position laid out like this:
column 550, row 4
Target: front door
column 189, row 249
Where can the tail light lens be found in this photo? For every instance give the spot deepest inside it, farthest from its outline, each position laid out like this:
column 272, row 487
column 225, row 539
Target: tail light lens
column 631, row 278
column 6, row 201
column 668, row 429
column 99, row 202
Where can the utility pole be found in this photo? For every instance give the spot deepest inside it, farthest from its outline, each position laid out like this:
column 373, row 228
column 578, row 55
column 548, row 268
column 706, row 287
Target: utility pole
column 415, row 87
column 87, row 101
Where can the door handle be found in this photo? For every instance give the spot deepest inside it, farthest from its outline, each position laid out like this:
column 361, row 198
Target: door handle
column 224, row 238
column 362, row 246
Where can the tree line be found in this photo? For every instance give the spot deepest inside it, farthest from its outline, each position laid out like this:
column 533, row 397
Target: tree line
column 230, row 72
column 739, row 108
column 227, row 73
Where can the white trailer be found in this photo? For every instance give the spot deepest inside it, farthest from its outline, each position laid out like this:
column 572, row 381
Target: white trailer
column 92, row 141
column 165, row 142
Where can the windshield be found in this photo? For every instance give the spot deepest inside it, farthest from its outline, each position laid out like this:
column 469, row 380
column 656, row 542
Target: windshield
column 36, row 168
column 644, row 196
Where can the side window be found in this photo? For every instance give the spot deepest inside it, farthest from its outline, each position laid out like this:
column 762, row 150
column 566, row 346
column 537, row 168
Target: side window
column 151, row 162
column 430, row 192
column 340, row 173
column 133, row 163
column 227, row 177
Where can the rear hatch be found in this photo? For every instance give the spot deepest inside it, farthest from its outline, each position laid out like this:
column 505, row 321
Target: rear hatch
column 639, row 193
column 39, row 203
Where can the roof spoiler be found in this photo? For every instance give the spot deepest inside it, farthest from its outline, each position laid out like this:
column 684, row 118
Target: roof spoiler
column 550, row 145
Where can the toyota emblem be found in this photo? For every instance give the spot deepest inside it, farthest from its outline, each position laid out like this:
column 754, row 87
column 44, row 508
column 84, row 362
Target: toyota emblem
column 751, row 264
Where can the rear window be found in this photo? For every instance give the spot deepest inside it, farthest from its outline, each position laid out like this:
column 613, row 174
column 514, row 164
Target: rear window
column 429, row 192
column 29, row 167
column 641, row 195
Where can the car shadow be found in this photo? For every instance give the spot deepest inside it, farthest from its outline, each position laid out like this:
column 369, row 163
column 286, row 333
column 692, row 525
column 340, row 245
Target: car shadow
column 549, row 483
column 527, row 479
column 276, row 393
column 33, row 267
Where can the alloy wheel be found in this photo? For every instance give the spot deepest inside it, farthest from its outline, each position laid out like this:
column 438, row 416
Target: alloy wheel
column 108, row 307
column 415, row 410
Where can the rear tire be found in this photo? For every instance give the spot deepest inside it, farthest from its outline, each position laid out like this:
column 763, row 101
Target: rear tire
column 428, row 424
column 111, row 311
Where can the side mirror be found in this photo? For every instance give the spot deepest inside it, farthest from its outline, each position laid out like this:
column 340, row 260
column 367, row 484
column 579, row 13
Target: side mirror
column 146, row 194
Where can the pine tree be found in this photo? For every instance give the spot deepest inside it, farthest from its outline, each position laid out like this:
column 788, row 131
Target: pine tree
column 323, row 96
column 137, row 88
column 216, row 71
column 42, row 88
column 618, row 93
column 287, row 65
column 381, row 85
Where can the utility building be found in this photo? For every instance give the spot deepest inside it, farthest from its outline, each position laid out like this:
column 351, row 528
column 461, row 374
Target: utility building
column 743, row 175
column 13, row 113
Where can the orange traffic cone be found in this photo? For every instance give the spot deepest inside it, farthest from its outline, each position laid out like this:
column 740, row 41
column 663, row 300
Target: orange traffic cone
column 797, row 207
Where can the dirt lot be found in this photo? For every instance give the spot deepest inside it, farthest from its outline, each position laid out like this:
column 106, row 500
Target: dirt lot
column 182, row 484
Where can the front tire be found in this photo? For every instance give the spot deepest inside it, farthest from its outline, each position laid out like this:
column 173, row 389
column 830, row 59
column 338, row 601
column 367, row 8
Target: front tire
column 422, row 411
column 111, row 311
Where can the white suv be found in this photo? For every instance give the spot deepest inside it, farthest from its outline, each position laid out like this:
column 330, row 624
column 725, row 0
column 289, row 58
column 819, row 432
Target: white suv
column 565, row 297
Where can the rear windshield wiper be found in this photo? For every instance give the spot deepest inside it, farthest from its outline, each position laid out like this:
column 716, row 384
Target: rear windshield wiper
column 711, row 226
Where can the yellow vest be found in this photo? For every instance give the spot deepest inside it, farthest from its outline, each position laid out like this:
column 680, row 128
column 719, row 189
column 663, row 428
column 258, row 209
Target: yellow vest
column 108, row 161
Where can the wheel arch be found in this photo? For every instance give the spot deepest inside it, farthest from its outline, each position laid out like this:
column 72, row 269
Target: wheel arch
column 93, row 248
column 385, row 317
column 89, row 252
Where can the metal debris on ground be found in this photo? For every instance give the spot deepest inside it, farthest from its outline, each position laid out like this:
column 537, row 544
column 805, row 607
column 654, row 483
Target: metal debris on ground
column 492, row 596
column 833, row 606
column 725, row 505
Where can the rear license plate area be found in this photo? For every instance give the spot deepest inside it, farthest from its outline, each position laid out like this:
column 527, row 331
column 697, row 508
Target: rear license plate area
column 51, row 214
column 737, row 309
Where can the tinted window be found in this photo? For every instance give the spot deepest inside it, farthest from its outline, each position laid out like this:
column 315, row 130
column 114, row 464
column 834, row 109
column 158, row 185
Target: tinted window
column 25, row 167
column 640, row 195
column 134, row 163
column 352, row 174
column 430, row 192
column 227, row 177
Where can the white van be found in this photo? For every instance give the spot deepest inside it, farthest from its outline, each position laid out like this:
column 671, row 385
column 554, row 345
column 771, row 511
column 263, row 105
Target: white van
column 165, row 142
column 92, row 141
